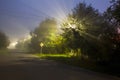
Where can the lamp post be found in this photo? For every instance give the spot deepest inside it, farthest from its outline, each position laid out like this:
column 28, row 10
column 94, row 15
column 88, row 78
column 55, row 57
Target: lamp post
column 41, row 45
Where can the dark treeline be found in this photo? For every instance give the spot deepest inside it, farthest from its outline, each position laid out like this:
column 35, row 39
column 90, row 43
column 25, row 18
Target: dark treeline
column 4, row 41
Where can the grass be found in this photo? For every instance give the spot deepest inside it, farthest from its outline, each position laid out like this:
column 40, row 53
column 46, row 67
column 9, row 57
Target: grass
column 67, row 59
column 51, row 55
column 76, row 61
column 64, row 58
column 3, row 51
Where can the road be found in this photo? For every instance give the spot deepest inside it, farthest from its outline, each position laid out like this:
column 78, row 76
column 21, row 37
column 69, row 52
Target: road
column 19, row 66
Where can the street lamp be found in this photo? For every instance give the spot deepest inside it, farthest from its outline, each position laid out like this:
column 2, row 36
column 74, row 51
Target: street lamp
column 41, row 45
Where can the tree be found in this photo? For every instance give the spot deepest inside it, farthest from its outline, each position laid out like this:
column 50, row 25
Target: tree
column 113, row 31
column 46, row 32
column 114, row 10
column 82, row 29
column 4, row 42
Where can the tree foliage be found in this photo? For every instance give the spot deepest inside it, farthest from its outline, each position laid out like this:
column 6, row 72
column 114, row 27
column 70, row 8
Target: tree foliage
column 46, row 33
column 112, row 33
column 114, row 10
column 82, row 31
column 4, row 42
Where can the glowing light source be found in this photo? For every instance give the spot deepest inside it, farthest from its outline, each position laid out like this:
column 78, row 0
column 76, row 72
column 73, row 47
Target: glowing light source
column 72, row 25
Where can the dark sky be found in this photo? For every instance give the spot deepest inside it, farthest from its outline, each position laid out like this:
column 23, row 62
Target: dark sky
column 19, row 17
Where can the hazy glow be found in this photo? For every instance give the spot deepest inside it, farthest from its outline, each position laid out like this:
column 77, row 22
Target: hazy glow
column 27, row 38
column 12, row 45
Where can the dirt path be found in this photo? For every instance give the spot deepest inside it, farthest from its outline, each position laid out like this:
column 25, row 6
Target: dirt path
column 28, row 67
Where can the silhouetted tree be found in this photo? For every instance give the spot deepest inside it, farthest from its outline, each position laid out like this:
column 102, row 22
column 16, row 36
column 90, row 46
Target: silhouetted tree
column 112, row 33
column 82, row 30
column 114, row 10
column 4, row 42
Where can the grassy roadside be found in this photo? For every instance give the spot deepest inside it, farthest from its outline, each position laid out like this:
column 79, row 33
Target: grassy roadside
column 70, row 60
column 75, row 61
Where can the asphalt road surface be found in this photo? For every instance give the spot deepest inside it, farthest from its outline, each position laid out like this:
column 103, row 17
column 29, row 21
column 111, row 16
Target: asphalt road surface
column 19, row 66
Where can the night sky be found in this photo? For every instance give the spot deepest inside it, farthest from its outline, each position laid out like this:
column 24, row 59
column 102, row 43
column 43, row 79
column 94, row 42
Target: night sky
column 19, row 17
